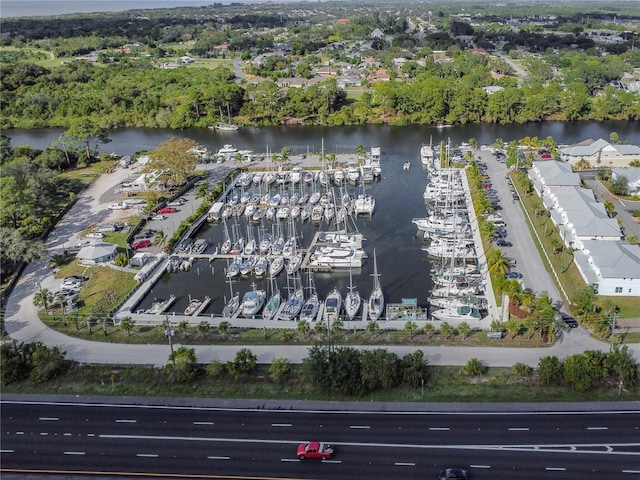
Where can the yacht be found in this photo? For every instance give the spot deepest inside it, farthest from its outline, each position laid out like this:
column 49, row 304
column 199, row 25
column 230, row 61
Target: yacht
column 252, row 302
column 309, row 312
column 365, row 204
column 457, row 314
column 227, row 150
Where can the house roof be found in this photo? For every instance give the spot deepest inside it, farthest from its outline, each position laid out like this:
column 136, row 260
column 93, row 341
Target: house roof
column 556, row 173
column 588, row 217
column 585, row 149
column 97, row 251
column 632, row 174
column 614, row 259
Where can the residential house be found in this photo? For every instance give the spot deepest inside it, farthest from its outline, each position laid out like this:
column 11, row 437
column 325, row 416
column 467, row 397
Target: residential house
column 613, row 268
column 549, row 174
column 601, row 153
column 632, row 175
column 98, row 253
column 377, row 33
column 326, row 71
column 491, row 89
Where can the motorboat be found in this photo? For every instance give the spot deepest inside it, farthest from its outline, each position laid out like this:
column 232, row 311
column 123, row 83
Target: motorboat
column 332, row 306
column 427, row 155
column 193, row 305
column 353, row 174
column 227, row 150
column 376, row 299
column 252, row 302
column 457, row 314
column 199, row 246
column 316, row 213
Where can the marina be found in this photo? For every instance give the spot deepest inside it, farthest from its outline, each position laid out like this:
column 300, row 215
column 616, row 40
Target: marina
column 264, row 255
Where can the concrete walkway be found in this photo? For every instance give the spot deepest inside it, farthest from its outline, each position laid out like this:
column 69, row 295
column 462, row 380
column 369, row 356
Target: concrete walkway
column 23, row 325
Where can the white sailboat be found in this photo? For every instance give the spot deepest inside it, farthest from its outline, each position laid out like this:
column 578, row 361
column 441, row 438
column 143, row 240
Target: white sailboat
column 310, row 309
column 332, row 306
column 232, row 305
column 273, row 304
column 376, row 299
column 352, row 301
column 294, row 303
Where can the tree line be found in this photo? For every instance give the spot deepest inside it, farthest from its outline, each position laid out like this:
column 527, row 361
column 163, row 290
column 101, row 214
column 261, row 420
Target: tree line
column 329, row 369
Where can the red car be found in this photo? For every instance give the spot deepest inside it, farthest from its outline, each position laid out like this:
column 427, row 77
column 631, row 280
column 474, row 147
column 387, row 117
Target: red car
column 315, row 450
column 167, row 210
column 143, row 243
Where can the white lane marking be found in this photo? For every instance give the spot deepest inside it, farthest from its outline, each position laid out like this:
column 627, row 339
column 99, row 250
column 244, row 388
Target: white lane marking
column 44, row 434
column 555, row 469
column 585, row 448
column 324, row 412
column 6, row 451
column 49, row 419
column 218, row 458
column 125, row 420
column 203, row 423
column 281, row 425
column 68, row 434
column 19, row 433
column 405, row 464
column 289, row 459
column 631, row 471
column 480, row 466
column 331, row 461
column 597, row 428
column 439, row 429
column 91, row 434
column 361, row 427
column 147, row 455
column 519, row 429
column 74, row 453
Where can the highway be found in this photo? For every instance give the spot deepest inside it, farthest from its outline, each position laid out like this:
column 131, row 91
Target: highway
column 203, row 442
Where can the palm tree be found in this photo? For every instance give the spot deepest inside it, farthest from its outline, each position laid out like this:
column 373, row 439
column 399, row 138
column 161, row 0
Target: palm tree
column 527, row 300
column 127, row 324
column 497, row 264
column 513, row 326
column 447, row 329
column 204, row 328
column 411, row 328
column 373, row 328
column 464, row 328
column 360, row 151
column 183, row 326
column 43, row 298
column 284, row 154
column 473, row 143
column 489, row 230
column 303, row 328
column 429, row 329
column 224, row 327
column 609, row 207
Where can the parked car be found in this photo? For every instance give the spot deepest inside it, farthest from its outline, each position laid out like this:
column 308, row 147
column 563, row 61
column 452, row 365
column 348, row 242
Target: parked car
column 501, row 233
column 568, row 320
column 106, row 227
column 146, row 233
column 74, row 282
column 118, row 206
column 178, row 202
column 512, row 261
column 513, row 275
column 142, row 243
column 96, row 235
column 167, row 210
column 504, row 243
column 159, row 217
column 454, row 474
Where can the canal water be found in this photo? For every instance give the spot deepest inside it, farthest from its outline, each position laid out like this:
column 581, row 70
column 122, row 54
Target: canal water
column 402, row 264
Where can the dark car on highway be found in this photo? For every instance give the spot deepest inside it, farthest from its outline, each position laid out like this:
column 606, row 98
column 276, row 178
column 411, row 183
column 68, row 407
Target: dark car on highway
column 454, row 474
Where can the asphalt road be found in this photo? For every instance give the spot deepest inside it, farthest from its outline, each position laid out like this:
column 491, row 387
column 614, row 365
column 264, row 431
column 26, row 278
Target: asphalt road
column 221, row 442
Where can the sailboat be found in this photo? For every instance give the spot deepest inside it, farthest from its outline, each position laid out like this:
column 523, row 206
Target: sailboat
column 352, row 301
column 332, row 306
column 226, row 126
column 273, row 304
column 233, row 304
column 294, row 303
column 309, row 311
column 376, row 300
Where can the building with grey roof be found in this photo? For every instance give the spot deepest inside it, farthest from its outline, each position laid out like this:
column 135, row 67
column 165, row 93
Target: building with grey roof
column 601, row 153
column 632, row 175
column 579, row 217
column 547, row 174
column 613, row 268
column 603, row 258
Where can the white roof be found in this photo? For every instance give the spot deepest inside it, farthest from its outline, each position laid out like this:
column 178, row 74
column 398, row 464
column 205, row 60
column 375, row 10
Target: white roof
column 99, row 250
column 614, row 259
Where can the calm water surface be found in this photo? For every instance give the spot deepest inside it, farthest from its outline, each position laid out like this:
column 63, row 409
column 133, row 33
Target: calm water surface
column 401, row 263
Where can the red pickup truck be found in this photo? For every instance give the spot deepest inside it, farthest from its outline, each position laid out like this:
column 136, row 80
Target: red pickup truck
column 315, row 450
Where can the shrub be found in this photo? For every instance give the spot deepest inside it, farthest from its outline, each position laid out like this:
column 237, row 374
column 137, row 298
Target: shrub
column 216, row 368
column 550, row 370
column 521, row 369
column 473, row 368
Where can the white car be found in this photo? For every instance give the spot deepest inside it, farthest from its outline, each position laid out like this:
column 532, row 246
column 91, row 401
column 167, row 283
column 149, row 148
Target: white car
column 177, row 202
column 97, row 235
column 118, row 206
column 159, row 217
